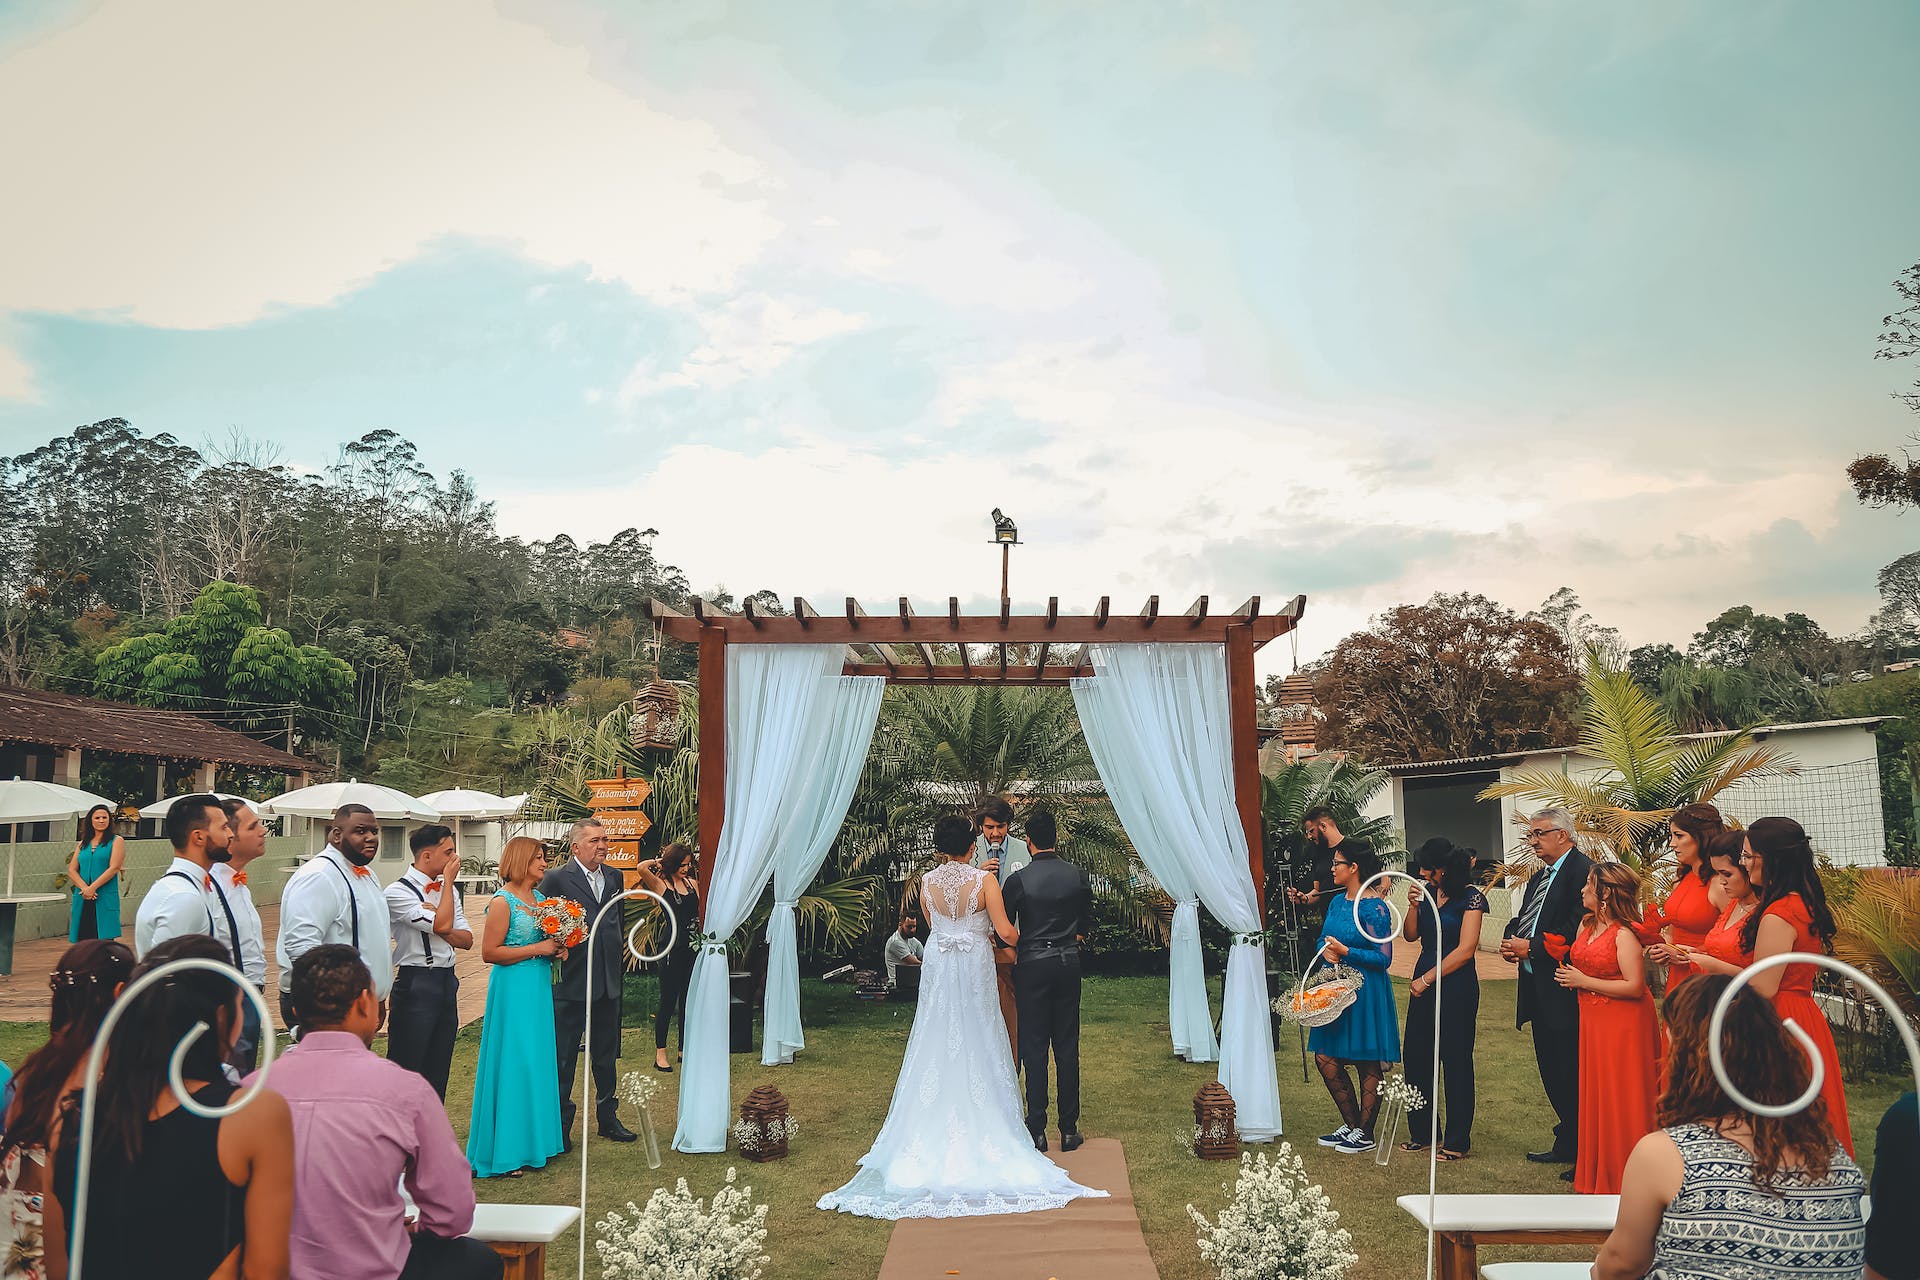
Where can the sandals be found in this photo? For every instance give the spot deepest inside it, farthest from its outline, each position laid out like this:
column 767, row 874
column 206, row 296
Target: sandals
column 1449, row 1157
column 1415, row 1146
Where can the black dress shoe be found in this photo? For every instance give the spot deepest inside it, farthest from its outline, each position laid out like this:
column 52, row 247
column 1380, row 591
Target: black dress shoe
column 1566, row 1175
column 1039, row 1142
column 614, row 1131
column 566, row 1144
column 1070, row 1141
column 1550, row 1157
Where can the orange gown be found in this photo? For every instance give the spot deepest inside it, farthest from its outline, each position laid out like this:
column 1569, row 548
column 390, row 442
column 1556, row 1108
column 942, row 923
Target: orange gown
column 1795, row 1000
column 1619, row 1068
column 1689, row 912
column 1723, row 940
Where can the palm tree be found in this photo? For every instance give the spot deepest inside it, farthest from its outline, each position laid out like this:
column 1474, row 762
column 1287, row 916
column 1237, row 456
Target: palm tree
column 1648, row 770
column 1344, row 785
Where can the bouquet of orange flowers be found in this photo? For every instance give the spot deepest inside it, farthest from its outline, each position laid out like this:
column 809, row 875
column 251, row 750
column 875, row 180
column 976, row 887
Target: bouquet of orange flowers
column 563, row 920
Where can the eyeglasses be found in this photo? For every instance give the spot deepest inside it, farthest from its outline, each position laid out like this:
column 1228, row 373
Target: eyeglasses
column 1341, row 862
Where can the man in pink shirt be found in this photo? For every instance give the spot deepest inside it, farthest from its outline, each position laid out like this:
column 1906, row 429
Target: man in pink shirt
column 360, row 1125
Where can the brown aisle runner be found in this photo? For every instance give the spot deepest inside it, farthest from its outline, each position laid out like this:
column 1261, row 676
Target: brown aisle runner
column 1087, row 1240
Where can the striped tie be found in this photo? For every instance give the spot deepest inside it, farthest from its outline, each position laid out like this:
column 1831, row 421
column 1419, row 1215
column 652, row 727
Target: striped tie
column 1530, row 908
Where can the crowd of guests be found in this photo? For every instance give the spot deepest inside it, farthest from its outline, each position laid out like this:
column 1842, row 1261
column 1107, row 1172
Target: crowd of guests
column 346, row 1163
column 1709, row 1189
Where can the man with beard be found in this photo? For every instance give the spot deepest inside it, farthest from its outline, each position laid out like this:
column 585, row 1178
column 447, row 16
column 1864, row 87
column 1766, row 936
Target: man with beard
column 236, row 921
column 336, row 898
column 181, row 900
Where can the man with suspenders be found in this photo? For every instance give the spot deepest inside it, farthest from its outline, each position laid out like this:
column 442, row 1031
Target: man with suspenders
column 236, row 921
column 429, row 929
column 336, row 898
column 181, row 901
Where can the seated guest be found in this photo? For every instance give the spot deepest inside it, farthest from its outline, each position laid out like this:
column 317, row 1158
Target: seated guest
column 1447, row 960
column 1619, row 1031
column 1367, row 1035
column 1717, row 1191
column 174, row 1195
column 364, row 1124
column 903, row 948
column 1893, row 1238
column 84, row 983
column 1722, row 951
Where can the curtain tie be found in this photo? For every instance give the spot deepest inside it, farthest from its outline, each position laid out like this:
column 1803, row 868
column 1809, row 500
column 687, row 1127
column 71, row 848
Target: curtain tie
column 789, row 903
column 714, row 944
column 1249, row 939
column 1186, row 902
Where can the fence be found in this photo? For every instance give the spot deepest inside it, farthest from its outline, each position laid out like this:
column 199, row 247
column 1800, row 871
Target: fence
column 41, row 867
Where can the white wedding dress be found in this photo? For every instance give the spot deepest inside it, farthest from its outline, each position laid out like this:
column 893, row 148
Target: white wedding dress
column 954, row 1144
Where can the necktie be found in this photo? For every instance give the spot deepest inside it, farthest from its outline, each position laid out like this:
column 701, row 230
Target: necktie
column 1532, row 904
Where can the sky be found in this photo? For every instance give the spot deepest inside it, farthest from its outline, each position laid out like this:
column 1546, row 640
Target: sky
column 1361, row 301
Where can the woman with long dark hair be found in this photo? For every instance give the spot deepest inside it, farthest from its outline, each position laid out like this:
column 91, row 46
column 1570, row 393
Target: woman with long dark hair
column 1718, row 1191
column 94, row 870
column 1721, row 951
column 1793, row 916
column 675, row 876
column 1448, row 961
column 174, row 1195
column 1689, row 909
column 1366, row 1036
column 1619, row 1031
column 84, row 984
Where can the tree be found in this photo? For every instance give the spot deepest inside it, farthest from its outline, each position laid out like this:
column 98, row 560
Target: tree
column 1576, row 626
column 1458, row 675
column 1647, row 662
column 1647, row 769
column 1343, row 785
column 1899, row 585
column 1877, row 479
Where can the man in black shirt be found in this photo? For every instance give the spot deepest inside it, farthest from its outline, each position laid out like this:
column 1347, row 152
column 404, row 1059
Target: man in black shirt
column 1893, row 1235
column 1051, row 902
column 1323, row 839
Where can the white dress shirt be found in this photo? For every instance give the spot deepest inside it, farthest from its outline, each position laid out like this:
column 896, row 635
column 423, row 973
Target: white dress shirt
column 593, row 878
column 411, row 914
column 177, row 905
column 252, row 944
column 318, row 907
column 1014, row 854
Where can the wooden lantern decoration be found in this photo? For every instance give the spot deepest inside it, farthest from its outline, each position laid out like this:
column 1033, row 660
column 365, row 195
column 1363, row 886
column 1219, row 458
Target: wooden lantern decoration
column 1216, row 1137
column 655, row 718
column 765, row 1125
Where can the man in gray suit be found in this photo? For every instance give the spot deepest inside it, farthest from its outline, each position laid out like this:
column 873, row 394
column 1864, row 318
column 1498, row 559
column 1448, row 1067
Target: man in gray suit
column 584, row 879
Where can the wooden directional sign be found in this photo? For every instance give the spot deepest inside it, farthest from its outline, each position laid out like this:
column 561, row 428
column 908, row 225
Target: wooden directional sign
column 624, row 825
column 618, row 793
column 625, row 855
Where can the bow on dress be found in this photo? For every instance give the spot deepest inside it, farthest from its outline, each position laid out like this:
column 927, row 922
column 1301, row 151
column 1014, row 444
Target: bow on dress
column 951, row 942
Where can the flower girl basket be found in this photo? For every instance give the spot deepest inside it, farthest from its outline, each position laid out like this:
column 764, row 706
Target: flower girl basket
column 1318, row 999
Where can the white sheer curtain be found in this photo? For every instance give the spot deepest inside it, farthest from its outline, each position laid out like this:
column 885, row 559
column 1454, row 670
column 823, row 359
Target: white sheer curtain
column 779, row 709
column 1170, row 701
column 811, row 821
column 1130, row 780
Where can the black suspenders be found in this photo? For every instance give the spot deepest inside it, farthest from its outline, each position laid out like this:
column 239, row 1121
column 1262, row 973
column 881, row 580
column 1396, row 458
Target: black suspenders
column 353, row 900
column 234, row 949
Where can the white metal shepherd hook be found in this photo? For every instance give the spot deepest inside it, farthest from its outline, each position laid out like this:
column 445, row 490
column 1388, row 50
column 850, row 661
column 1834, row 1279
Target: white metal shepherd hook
column 91, row 1094
column 1432, row 899
column 586, row 1032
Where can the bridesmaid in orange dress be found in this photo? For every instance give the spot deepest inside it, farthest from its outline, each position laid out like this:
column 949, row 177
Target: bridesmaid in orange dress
column 1690, row 909
column 1619, row 1032
column 1793, row 916
column 1722, row 951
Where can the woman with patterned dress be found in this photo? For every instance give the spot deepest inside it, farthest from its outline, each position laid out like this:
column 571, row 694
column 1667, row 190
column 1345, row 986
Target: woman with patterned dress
column 1366, row 1036
column 1721, row 951
column 1448, row 960
column 1689, row 909
column 94, row 871
column 954, row 1143
column 516, row 1095
column 1793, row 916
column 1619, row 1031
column 1718, row 1192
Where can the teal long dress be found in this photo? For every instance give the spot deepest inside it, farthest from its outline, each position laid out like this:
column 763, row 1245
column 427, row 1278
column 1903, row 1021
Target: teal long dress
column 106, row 905
column 516, row 1087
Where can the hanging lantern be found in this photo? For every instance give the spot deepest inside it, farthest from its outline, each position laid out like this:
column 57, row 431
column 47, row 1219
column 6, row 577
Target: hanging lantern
column 655, row 719
column 1215, row 1136
column 765, row 1125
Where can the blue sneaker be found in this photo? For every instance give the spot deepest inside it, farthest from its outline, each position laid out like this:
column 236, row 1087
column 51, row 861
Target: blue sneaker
column 1335, row 1138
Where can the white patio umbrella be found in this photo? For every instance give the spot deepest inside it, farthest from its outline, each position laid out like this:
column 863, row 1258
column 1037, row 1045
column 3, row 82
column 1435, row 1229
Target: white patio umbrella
column 320, row 802
column 159, row 808
column 25, row 800
column 461, row 803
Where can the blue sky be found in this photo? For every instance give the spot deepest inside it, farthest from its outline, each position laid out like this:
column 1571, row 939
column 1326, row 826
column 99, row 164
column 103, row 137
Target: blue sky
column 1365, row 301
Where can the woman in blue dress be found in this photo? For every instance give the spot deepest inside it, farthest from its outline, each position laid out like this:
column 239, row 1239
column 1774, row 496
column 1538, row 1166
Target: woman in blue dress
column 516, row 1087
column 94, row 869
column 1367, row 1036
column 1449, row 961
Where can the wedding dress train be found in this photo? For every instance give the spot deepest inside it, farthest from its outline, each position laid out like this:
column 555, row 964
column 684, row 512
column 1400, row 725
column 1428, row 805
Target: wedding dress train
column 954, row 1144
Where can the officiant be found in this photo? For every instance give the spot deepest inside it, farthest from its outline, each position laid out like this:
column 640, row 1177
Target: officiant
column 997, row 850
column 585, row 879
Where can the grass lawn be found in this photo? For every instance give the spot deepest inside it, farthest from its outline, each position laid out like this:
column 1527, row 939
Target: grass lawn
column 1133, row 1089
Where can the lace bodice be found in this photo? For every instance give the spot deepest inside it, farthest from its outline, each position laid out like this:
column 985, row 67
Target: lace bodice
column 952, row 895
column 523, row 928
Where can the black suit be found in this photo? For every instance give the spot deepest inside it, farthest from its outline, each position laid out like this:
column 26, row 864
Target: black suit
column 1051, row 902
column 570, row 994
column 1553, row 1009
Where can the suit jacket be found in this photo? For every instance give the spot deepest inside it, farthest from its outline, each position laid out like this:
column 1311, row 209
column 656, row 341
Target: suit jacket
column 1016, row 856
column 569, row 880
column 1542, row 999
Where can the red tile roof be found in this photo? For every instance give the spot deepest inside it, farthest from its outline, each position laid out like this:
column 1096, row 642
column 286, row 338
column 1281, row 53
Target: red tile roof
column 40, row 718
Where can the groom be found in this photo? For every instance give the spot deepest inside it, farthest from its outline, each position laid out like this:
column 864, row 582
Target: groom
column 1051, row 903
column 587, row 882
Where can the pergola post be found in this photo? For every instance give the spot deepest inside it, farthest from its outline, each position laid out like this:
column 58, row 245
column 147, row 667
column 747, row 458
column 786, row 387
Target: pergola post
column 713, row 749
column 1245, row 749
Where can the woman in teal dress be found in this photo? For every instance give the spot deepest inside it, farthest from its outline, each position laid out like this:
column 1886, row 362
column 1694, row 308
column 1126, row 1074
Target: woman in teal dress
column 94, row 869
column 516, row 1088
column 1367, row 1035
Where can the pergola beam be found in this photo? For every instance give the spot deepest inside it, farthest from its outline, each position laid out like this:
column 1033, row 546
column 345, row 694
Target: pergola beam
column 906, row 624
column 1151, row 611
column 1198, row 613
column 858, row 628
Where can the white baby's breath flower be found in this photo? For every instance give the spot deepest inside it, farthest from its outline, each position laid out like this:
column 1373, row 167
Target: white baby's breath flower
column 677, row 1236
column 1275, row 1225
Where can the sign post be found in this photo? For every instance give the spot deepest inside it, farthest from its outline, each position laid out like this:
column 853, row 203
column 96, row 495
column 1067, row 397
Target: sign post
column 616, row 802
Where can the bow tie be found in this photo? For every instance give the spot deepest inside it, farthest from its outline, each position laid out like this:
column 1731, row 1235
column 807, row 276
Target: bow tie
column 363, row 871
column 239, row 879
column 209, row 879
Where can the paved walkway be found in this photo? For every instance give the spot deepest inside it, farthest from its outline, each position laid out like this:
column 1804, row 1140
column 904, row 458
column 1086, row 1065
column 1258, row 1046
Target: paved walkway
column 1488, row 964
column 24, row 996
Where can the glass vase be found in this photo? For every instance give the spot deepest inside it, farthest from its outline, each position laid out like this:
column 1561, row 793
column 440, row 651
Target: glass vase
column 1386, row 1127
column 649, row 1141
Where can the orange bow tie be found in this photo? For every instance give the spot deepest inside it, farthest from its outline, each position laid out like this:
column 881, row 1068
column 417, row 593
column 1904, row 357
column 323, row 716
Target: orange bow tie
column 239, row 879
column 209, row 883
column 363, row 871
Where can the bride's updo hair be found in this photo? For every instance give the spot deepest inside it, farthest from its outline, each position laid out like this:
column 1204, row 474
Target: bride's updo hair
column 953, row 836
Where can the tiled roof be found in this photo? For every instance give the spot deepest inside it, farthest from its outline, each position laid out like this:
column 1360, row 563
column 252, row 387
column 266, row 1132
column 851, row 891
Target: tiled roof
column 41, row 718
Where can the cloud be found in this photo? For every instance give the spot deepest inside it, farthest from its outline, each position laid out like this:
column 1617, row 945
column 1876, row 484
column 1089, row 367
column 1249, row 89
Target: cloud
column 744, row 337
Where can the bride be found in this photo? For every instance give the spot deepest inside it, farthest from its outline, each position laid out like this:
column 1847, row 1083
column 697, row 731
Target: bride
column 953, row 1144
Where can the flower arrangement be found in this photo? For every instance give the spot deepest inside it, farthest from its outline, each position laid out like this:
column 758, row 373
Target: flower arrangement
column 677, row 1236
column 638, row 1091
column 1275, row 1225
column 1395, row 1092
column 563, row 920
column 753, row 1136
column 1318, row 999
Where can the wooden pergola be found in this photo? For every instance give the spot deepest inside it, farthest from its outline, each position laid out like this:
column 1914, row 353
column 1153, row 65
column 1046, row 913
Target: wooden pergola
column 901, row 645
